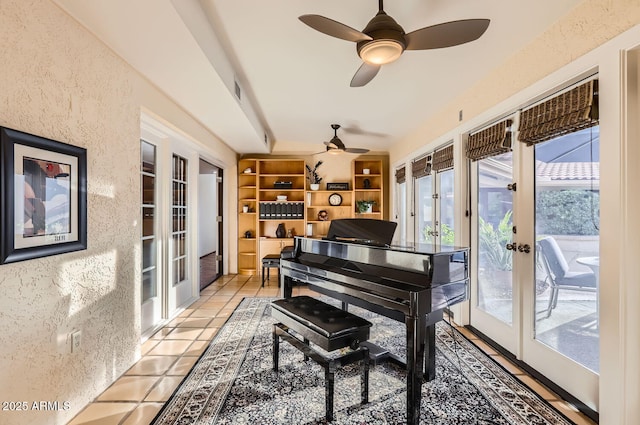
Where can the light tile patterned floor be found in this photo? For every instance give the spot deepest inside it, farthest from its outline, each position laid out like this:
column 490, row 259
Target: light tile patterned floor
column 171, row 352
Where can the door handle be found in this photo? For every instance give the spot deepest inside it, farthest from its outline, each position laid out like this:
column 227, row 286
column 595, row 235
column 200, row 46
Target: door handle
column 511, row 246
column 526, row 248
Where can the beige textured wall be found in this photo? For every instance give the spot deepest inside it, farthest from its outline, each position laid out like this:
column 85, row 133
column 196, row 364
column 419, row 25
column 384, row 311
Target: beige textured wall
column 586, row 27
column 58, row 81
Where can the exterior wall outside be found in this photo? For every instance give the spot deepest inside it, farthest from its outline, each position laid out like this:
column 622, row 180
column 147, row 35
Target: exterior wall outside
column 592, row 38
column 60, row 82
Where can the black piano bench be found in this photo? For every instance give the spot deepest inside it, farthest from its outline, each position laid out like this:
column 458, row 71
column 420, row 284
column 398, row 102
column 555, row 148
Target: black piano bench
column 327, row 327
column 269, row 261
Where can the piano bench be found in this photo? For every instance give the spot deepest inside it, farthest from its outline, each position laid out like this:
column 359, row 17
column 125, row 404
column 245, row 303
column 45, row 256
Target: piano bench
column 269, row 261
column 329, row 328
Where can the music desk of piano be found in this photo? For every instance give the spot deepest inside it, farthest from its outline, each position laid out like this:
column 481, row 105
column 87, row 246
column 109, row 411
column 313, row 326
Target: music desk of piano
column 411, row 284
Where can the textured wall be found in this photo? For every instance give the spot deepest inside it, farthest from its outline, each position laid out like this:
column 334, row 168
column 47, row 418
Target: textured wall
column 58, row 81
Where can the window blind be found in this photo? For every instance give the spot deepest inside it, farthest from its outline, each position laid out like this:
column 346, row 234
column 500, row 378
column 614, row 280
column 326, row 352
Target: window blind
column 401, row 175
column 443, row 159
column 568, row 112
column 491, row 141
column 421, row 167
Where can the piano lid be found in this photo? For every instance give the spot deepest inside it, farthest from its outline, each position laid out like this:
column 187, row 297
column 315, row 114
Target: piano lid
column 365, row 231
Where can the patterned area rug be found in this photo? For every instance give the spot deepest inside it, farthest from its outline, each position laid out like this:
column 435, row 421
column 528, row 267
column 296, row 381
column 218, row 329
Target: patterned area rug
column 233, row 383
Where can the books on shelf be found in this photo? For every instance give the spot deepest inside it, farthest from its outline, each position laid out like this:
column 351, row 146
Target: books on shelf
column 281, row 211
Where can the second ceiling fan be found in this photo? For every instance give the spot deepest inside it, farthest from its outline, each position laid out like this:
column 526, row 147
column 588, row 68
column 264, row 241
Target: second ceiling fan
column 383, row 40
column 335, row 145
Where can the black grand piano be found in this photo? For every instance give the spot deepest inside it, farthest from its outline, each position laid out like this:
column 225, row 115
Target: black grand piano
column 357, row 264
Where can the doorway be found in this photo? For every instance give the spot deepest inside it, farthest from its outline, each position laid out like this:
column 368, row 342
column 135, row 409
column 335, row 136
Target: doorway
column 210, row 224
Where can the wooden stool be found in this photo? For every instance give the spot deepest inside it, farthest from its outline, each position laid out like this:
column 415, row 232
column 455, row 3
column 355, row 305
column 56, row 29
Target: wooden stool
column 269, row 261
column 328, row 327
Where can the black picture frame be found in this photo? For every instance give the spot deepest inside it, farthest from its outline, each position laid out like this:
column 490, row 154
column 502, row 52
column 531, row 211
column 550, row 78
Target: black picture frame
column 338, row 186
column 43, row 197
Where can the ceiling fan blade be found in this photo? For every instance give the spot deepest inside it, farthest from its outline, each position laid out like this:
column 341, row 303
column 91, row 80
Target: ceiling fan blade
column 447, row 34
column 334, row 28
column 356, row 150
column 364, row 74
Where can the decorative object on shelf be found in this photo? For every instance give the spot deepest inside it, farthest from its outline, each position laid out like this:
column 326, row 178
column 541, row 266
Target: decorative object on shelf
column 338, row 186
column 366, row 183
column 282, row 185
column 281, row 197
column 245, row 208
column 309, row 229
column 290, row 232
column 281, row 231
column 335, row 199
column 247, row 234
column 247, row 170
column 323, row 215
column 366, row 171
column 365, row 206
column 313, row 177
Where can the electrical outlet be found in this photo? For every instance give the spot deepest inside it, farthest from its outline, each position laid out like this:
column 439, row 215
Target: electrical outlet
column 76, row 337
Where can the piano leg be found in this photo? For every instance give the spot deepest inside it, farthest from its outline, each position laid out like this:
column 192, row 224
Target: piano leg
column 430, row 344
column 416, row 333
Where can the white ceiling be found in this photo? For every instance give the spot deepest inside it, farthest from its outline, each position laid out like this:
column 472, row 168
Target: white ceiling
column 295, row 80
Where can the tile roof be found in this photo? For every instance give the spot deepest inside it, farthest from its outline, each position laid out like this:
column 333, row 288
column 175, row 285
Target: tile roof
column 568, row 170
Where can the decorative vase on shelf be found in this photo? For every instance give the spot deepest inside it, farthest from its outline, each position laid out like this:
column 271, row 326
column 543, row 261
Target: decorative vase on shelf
column 314, row 186
column 281, row 232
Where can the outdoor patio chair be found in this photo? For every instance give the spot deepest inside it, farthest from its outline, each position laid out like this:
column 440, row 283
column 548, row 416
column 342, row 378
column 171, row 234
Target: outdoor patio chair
column 558, row 274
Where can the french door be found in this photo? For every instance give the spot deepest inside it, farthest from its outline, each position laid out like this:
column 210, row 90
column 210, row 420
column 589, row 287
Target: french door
column 534, row 242
column 434, row 200
column 167, row 266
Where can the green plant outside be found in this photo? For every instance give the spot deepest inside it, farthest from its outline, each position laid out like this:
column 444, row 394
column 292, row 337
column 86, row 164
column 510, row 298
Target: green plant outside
column 493, row 243
column 447, row 234
column 567, row 212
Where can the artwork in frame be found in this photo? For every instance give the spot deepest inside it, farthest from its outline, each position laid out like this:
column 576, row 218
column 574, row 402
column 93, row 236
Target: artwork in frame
column 43, row 197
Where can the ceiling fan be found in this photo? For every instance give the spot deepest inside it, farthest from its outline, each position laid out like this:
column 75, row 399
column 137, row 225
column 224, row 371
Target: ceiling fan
column 335, row 145
column 383, row 40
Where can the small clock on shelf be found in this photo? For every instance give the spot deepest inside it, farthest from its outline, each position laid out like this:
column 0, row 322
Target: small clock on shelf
column 335, row 199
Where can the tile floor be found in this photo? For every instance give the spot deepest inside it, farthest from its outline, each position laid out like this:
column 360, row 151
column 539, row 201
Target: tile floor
column 167, row 357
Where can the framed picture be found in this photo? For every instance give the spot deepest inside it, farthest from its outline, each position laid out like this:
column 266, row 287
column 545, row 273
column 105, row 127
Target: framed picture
column 337, row 186
column 43, row 197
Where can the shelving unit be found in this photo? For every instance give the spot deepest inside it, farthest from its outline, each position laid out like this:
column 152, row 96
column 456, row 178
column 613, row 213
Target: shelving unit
column 368, row 187
column 247, row 195
column 318, row 200
column 259, row 189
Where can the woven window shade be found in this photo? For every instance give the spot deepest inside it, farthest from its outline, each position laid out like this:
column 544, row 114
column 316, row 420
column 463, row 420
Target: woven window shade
column 491, row 141
column 421, row 167
column 401, row 175
column 443, row 159
column 568, row 112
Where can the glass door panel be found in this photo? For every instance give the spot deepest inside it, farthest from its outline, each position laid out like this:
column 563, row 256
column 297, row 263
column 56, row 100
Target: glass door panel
column 495, row 263
column 180, row 280
column 567, row 211
column 424, row 226
column 446, row 212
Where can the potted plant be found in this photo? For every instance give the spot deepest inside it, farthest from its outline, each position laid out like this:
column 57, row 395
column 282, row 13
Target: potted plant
column 365, row 206
column 313, row 177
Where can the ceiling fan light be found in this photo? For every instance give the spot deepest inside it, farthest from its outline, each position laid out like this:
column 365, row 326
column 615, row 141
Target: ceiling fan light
column 334, row 151
column 381, row 52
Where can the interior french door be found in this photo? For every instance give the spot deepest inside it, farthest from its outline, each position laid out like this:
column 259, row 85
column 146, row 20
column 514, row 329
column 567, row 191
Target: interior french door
column 179, row 264
column 151, row 296
column 168, row 271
